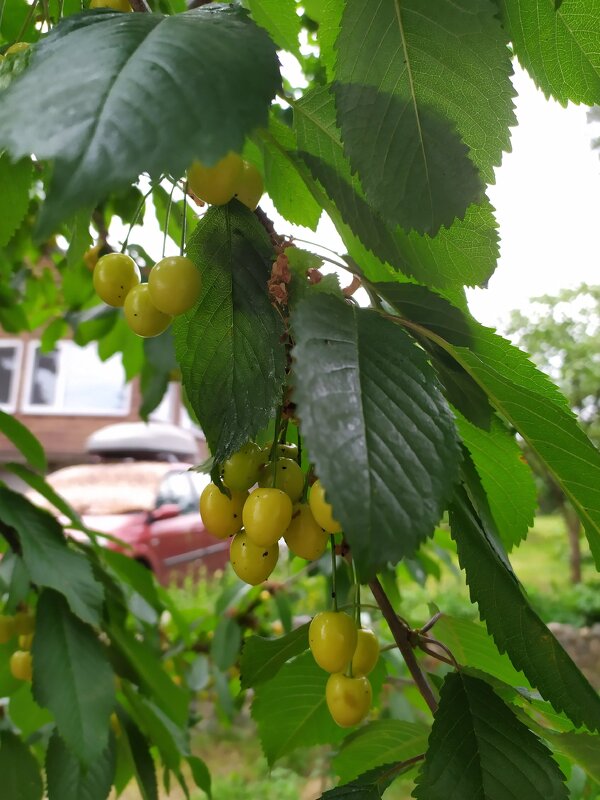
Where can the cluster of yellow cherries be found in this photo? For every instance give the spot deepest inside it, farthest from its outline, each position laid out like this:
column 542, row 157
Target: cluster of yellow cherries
column 174, row 283
column 22, row 624
column 256, row 520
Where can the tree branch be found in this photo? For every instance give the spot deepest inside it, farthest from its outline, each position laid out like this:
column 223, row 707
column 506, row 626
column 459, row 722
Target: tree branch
column 140, row 5
column 401, row 634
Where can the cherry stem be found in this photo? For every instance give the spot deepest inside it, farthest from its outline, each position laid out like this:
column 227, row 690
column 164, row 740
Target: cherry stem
column 333, row 574
column 139, row 5
column 184, row 221
column 273, row 453
column 300, row 450
column 138, row 211
column 401, row 634
column 356, row 594
column 167, row 220
column 27, row 22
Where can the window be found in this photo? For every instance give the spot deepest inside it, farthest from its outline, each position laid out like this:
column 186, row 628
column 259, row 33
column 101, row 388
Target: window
column 177, row 488
column 10, row 368
column 73, row 380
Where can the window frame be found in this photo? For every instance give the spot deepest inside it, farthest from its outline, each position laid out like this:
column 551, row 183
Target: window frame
column 52, row 410
column 12, row 404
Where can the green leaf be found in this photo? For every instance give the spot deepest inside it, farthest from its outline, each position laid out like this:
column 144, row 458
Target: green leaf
column 283, row 179
column 21, row 779
column 141, row 759
column 381, row 742
column 100, row 96
column 170, row 739
column 49, row 559
column 464, row 253
column 229, row 345
column 582, row 748
column 472, row 646
column 370, row 785
column 14, row 195
column 225, row 646
column 25, row 713
column 200, row 774
column 516, row 628
column 80, row 239
column 505, row 476
column 280, row 20
column 263, row 658
column 361, row 382
column 172, row 699
column 479, row 749
column 138, row 577
column 290, row 710
column 68, row 780
column 328, row 13
column 43, row 488
column 557, row 45
column 72, row 677
column 24, row 441
column 429, row 137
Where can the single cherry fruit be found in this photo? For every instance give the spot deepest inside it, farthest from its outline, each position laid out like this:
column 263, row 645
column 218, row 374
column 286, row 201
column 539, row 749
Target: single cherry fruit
column 251, row 563
column 287, row 450
column 217, row 184
column 7, row 628
column 289, row 477
column 332, row 639
column 25, row 641
column 321, row 509
column 142, row 315
column 267, row 514
column 17, row 47
column 20, row 665
column 115, row 275
column 116, row 5
column 221, row 515
column 304, row 536
column 24, row 623
column 250, row 186
column 241, row 470
column 174, row 284
column 348, row 699
column 366, row 654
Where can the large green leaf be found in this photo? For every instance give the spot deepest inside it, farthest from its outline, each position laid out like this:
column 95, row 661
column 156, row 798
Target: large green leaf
column 68, row 780
column 479, row 749
column 382, row 742
column 49, row 559
column 557, row 42
column 422, row 130
column 464, row 253
column 72, row 677
column 229, row 345
column 100, row 119
column 505, row 476
column 23, row 440
column 14, row 195
column 138, row 752
column 328, row 13
column 170, row 739
column 516, row 628
column 361, row 383
column 529, row 400
column 263, row 658
column 290, row 710
column 370, row 785
column 280, row 20
column 21, row 779
column 582, row 748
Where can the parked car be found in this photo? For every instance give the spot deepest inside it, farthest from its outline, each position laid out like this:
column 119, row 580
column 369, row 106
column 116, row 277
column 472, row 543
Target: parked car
column 151, row 506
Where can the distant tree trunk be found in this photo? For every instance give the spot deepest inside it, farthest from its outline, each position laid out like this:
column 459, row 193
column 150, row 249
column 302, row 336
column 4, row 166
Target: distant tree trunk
column 573, row 530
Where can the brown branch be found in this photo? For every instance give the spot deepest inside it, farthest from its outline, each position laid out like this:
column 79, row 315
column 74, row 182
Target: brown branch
column 140, row 5
column 277, row 240
column 401, row 634
column 352, row 287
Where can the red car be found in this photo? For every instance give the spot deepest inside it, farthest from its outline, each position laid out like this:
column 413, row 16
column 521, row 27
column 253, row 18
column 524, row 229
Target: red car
column 152, row 506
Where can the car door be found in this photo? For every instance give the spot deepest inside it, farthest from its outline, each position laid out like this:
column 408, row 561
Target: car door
column 172, row 536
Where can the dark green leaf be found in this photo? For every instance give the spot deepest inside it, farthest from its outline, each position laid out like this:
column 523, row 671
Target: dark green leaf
column 72, row 677
column 280, row 20
column 479, row 749
column 290, row 710
column 170, row 739
column 80, row 239
column 557, row 45
column 465, row 253
column 43, row 488
column 381, row 742
column 135, row 575
column 21, row 779
column 505, row 476
column 428, row 137
column 141, row 759
column 229, row 345
column 225, row 646
column 201, row 774
column 263, row 658
column 516, row 628
column 49, row 559
column 68, row 780
column 14, row 195
column 361, row 382
column 369, row 786
column 148, row 65
column 25, row 713
column 171, row 698
column 23, row 440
